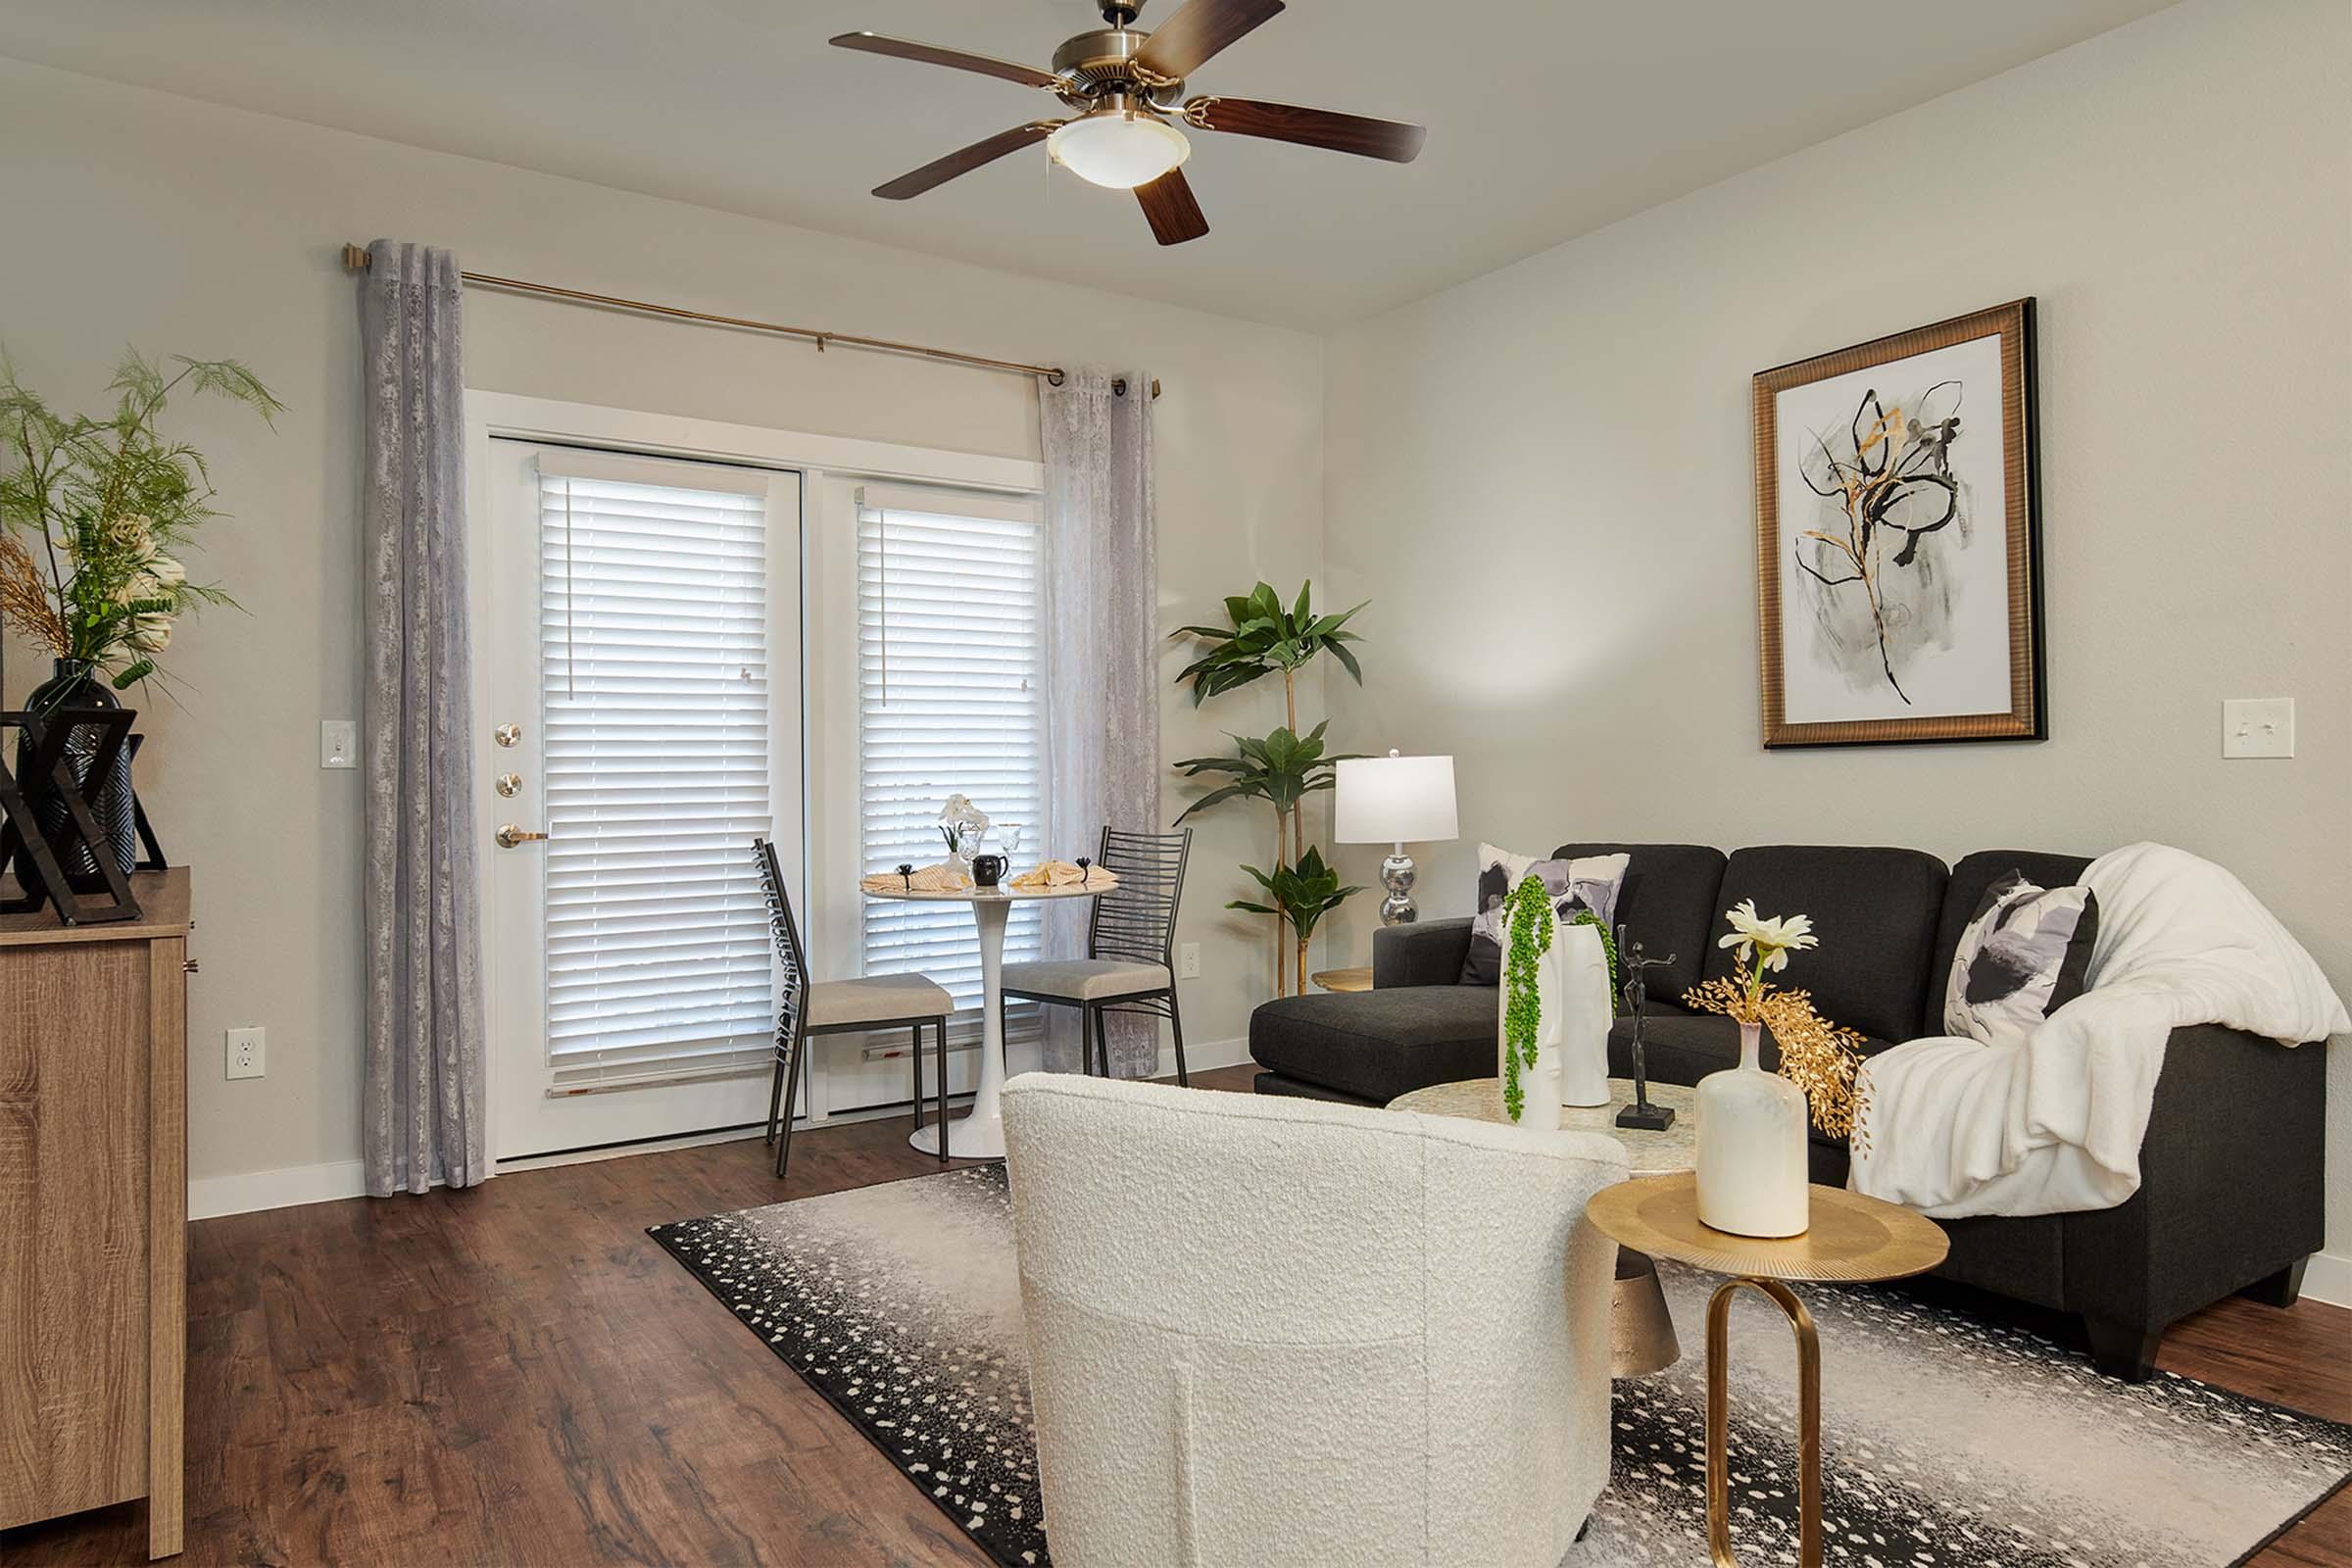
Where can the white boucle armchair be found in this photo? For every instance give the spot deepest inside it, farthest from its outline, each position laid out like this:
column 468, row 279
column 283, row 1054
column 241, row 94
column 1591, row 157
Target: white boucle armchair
column 1271, row 1331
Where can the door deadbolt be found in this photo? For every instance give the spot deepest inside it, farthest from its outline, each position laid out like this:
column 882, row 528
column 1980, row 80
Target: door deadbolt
column 508, row 785
column 506, row 734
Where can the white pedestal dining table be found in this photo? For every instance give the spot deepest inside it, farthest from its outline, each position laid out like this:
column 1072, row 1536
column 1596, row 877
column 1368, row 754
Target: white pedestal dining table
column 980, row 1133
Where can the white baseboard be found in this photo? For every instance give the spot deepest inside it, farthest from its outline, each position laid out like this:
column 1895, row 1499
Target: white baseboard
column 2328, row 1277
column 250, row 1190
column 246, row 1191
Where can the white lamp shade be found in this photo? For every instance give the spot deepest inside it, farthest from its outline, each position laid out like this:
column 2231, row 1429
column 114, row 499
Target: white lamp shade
column 1395, row 800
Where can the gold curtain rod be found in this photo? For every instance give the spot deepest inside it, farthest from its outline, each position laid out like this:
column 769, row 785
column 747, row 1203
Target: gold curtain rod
column 356, row 258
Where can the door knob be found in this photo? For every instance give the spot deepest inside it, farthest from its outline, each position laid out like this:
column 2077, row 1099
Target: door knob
column 510, row 835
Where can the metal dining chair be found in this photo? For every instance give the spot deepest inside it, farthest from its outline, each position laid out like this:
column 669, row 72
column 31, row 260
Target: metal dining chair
column 1130, row 963
column 812, row 1007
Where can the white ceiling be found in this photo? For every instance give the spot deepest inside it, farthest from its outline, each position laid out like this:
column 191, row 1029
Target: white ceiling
column 1548, row 117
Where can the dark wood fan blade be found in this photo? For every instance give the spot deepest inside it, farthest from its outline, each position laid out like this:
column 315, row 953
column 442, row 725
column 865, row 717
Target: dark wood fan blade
column 963, row 161
column 931, row 54
column 1392, row 139
column 1184, row 43
column 1168, row 203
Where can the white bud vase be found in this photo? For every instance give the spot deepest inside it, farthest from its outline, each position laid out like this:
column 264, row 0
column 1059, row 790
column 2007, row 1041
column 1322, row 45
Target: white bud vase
column 1751, row 1148
column 1539, row 1085
column 1582, row 1005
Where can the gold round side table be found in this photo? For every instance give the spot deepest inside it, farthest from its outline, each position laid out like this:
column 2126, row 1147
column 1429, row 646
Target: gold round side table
column 1852, row 1240
column 1343, row 979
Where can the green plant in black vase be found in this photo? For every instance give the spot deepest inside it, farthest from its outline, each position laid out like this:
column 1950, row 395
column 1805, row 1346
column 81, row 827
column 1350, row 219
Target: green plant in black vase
column 96, row 513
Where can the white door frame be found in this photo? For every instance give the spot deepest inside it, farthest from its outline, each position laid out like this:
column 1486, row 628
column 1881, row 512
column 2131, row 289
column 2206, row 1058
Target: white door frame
column 825, row 541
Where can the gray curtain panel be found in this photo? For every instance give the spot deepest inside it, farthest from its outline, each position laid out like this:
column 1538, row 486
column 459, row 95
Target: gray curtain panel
column 422, row 1098
column 1102, row 659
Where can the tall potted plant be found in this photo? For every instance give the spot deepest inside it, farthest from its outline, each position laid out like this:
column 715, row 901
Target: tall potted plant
column 1283, row 767
column 95, row 510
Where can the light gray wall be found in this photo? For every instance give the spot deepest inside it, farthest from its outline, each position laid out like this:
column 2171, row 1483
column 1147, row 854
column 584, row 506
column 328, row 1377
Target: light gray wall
column 1545, row 480
column 182, row 228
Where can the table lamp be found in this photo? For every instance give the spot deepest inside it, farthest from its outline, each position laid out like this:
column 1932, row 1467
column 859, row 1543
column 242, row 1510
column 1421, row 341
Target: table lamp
column 1396, row 800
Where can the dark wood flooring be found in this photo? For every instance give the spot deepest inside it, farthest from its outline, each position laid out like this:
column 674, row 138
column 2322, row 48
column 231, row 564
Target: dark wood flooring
column 516, row 1375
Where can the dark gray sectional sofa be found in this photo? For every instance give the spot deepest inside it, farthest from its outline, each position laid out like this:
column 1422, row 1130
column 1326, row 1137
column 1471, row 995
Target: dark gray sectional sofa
column 2232, row 1181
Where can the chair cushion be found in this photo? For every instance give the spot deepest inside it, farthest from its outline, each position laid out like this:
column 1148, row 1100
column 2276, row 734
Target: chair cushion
column 1668, row 903
column 1377, row 1044
column 1876, row 913
column 1087, row 979
column 1970, row 878
column 876, row 999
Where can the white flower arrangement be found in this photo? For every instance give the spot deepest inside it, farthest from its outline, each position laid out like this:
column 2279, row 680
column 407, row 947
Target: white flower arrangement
column 961, row 823
column 1820, row 1058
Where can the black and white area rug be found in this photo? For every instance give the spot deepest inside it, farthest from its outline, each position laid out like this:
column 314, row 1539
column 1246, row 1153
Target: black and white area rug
column 1948, row 1442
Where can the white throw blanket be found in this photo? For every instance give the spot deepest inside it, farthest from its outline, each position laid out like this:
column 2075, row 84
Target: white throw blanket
column 2053, row 1124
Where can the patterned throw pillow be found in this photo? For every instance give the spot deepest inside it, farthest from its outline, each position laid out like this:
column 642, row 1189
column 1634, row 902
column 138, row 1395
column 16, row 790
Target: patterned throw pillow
column 1589, row 883
column 2024, row 954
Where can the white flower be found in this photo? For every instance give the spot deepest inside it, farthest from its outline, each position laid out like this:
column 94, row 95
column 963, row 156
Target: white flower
column 165, row 573
column 1768, row 940
column 959, row 812
column 150, row 632
column 962, row 822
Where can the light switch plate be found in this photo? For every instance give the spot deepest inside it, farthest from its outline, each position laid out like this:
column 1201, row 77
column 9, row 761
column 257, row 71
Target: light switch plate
column 1188, row 961
column 338, row 743
column 247, row 1053
column 2257, row 726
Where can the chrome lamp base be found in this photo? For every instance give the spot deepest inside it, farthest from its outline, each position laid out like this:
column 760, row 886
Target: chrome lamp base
column 1396, row 875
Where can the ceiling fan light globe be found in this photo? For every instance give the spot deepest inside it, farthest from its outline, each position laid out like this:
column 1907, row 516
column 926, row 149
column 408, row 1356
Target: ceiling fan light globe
column 1119, row 149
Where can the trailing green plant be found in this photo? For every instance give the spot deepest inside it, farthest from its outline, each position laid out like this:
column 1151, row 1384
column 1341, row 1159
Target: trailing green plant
column 1608, row 951
column 1528, row 924
column 108, row 506
column 1302, row 895
column 1284, row 768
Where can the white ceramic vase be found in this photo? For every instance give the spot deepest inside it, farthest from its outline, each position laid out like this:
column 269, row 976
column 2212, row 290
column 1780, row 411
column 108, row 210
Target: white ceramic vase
column 1751, row 1148
column 1539, row 1085
column 1582, row 1007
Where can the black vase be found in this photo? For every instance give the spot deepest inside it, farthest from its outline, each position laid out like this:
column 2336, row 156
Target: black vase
column 74, row 684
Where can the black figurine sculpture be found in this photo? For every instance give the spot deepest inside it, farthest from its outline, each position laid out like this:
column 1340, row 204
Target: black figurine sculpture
column 906, row 870
column 1083, row 872
column 1641, row 1113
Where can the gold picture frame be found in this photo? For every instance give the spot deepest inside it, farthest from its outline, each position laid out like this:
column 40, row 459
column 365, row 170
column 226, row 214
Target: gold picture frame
column 1895, row 545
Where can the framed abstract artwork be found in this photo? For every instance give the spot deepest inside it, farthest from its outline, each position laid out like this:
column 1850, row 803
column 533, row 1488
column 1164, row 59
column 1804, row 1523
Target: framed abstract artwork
column 1898, row 545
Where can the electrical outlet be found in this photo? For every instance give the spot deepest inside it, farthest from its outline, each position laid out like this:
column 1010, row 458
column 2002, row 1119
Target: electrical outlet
column 2257, row 726
column 338, row 743
column 248, row 1051
column 1188, row 961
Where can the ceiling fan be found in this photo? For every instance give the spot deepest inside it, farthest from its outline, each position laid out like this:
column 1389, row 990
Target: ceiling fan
column 1128, row 88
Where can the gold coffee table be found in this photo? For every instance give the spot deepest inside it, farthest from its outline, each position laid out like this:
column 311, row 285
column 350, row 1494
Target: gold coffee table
column 1641, row 1337
column 1853, row 1240
column 1343, row 979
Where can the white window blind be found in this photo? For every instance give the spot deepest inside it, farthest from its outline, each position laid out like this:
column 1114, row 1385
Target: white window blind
column 653, row 638
column 950, row 677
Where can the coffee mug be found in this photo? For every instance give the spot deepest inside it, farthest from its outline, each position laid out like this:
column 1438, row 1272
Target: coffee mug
column 988, row 869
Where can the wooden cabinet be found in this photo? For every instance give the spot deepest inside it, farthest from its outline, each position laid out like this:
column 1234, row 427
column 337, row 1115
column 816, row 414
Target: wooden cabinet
column 93, row 1211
